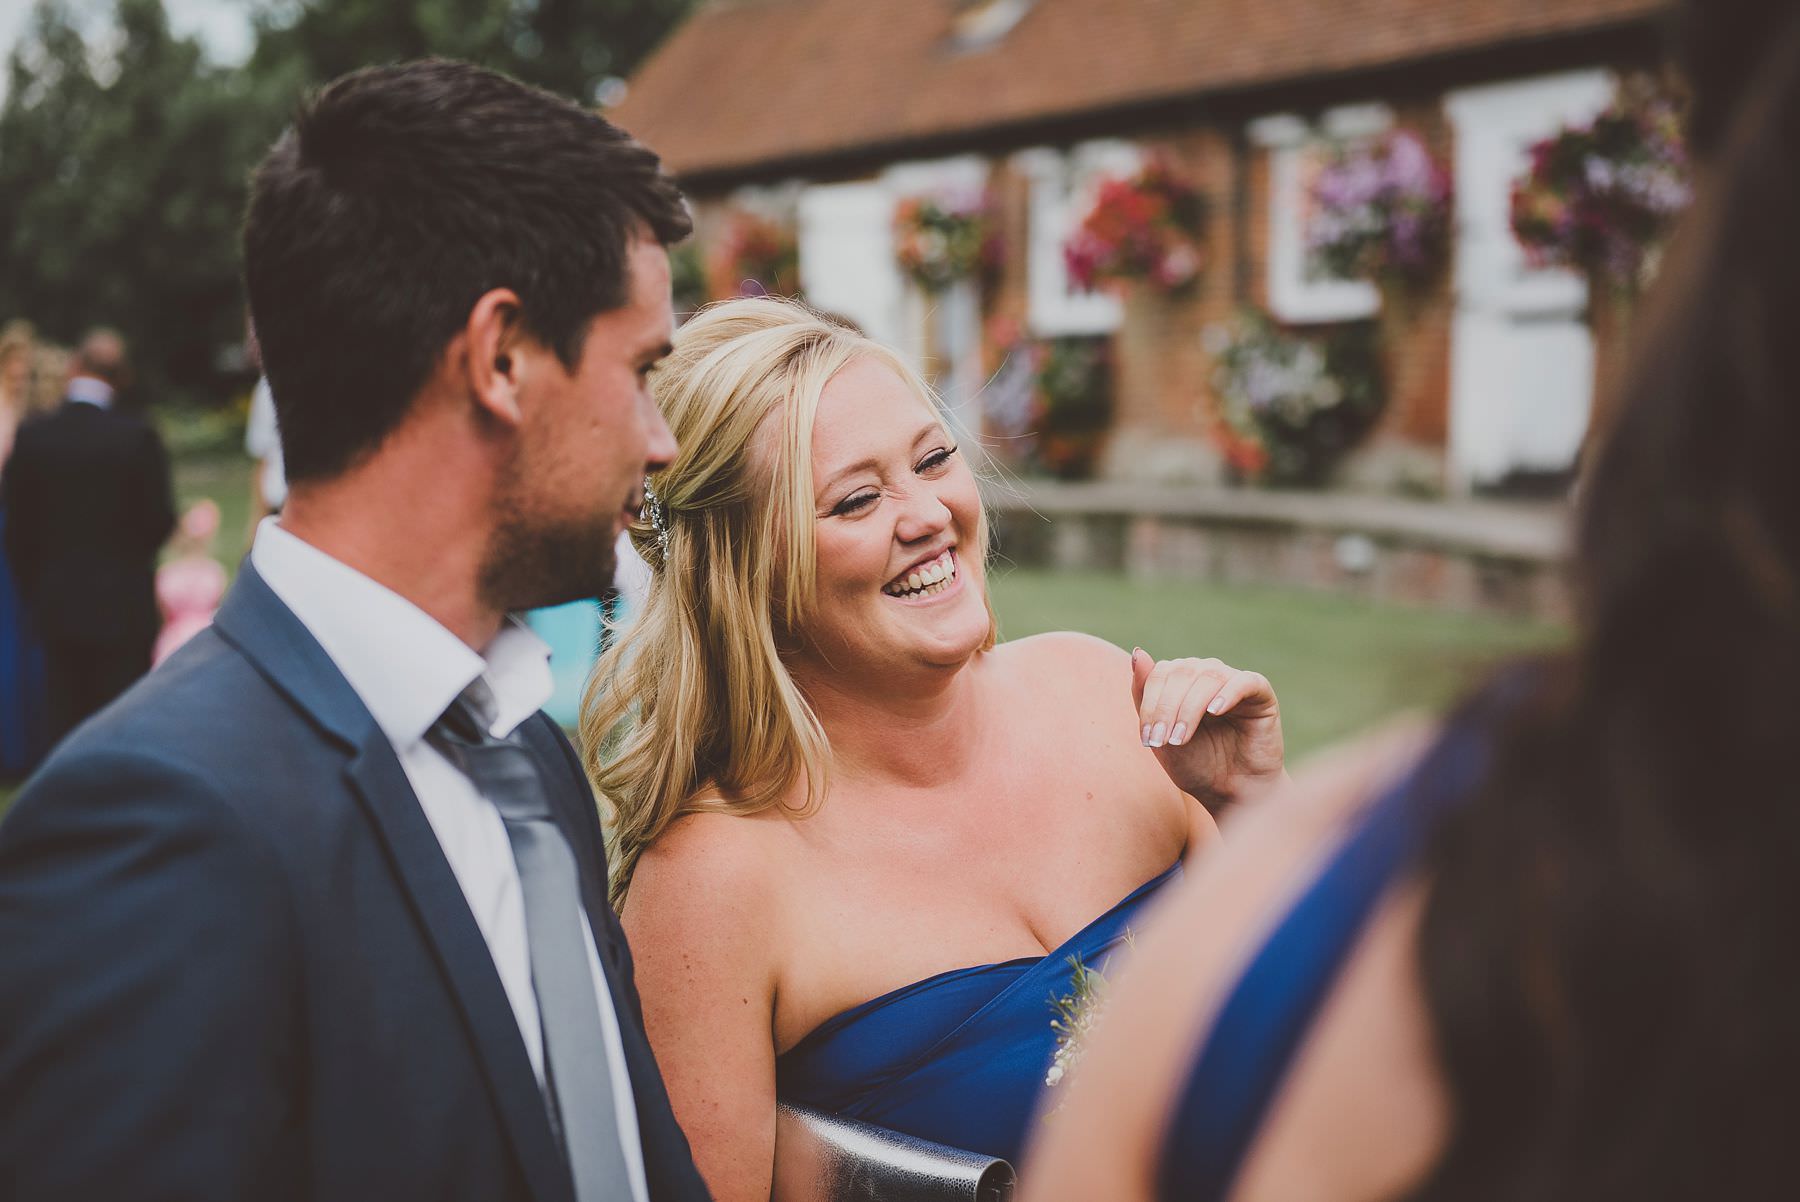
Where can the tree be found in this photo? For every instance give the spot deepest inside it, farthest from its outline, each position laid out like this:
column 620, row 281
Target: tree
column 308, row 44
column 567, row 46
column 125, row 156
column 573, row 46
column 122, row 179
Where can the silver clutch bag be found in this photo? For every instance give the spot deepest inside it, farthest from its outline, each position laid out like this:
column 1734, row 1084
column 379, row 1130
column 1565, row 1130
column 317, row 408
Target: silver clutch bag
column 825, row 1158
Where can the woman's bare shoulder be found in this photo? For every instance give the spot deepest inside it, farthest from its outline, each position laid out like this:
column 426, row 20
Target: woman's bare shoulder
column 1075, row 692
column 1054, row 668
column 1064, row 654
column 709, row 872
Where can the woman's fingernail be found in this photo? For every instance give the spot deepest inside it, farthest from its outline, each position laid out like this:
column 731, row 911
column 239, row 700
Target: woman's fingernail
column 1178, row 736
column 1145, row 734
column 1216, row 705
column 1156, row 734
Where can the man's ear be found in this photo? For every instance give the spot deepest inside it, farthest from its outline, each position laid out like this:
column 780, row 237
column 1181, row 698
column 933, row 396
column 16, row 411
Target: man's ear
column 491, row 360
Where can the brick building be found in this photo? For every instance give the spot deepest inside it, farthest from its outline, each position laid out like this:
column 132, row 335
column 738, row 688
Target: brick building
column 825, row 113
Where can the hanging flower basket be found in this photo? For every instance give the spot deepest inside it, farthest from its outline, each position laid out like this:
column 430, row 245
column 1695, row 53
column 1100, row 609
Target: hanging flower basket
column 1381, row 213
column 1288, row 407
column 1075, row 390
column 1599, row 197
column 1049, row 406
column 756, row 257
column 941, row 240
column 1142, row 230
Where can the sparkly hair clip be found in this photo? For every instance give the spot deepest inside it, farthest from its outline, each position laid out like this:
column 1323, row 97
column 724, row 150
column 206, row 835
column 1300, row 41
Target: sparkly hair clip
column 658, row 516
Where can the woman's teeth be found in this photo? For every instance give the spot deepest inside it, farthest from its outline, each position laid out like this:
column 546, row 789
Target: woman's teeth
column 934, row 577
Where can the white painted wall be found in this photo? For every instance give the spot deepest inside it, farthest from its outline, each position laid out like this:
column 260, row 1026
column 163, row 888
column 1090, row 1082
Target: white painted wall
column 1522, row 360
column 847, row 258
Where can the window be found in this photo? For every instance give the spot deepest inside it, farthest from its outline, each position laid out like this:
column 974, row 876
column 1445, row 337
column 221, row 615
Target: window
column 1296, row 148
column 945, row 329
column 1062, row 189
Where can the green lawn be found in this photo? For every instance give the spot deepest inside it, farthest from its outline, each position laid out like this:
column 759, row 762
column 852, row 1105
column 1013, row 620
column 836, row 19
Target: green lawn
column 226, row 479
column 1338, row 665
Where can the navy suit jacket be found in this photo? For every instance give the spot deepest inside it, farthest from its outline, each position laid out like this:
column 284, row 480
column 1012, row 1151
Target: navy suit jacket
column 235, row 964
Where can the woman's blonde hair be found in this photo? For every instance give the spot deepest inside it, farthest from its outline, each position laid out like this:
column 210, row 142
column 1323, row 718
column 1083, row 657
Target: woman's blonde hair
column 692, row 709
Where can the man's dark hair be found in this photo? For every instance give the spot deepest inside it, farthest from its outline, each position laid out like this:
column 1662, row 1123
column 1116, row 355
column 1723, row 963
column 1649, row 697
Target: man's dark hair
column 399, row 197
column 102, row 354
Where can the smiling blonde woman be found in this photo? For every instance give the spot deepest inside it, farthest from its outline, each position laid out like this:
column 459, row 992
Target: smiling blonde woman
column 856, row 840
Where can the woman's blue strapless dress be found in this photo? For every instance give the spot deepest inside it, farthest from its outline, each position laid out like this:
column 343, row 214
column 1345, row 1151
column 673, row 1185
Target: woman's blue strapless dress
column 960, row 1057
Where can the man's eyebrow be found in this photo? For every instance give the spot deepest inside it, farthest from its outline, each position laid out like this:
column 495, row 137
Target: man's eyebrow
column 661, row 350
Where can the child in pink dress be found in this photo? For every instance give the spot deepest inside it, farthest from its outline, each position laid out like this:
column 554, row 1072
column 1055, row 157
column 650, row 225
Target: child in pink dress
column 190, row 586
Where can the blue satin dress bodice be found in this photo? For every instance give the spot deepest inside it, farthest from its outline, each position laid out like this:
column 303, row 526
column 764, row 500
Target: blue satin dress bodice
column 960, row 1057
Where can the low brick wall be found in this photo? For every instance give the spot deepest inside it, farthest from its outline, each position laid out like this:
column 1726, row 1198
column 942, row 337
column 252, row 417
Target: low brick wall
column 1487, row 556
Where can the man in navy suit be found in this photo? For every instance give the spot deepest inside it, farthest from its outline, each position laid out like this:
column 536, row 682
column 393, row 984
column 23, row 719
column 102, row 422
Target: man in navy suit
column 272, row 925
column 87, row 494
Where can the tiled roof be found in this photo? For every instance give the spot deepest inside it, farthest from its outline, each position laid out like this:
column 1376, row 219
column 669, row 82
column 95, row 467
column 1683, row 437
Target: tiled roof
column 745, row 82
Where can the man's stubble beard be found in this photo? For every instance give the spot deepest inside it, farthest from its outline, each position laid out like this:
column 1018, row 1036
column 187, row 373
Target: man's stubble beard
column 533, row 561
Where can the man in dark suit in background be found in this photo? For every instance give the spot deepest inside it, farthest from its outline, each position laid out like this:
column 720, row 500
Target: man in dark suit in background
column 317, row 910
column 87, row 491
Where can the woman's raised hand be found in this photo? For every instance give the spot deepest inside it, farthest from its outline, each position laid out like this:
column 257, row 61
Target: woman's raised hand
column 1216, row 730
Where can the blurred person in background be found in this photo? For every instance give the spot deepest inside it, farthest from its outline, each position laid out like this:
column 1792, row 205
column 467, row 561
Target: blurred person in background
column 89, row 504
column 261, row 439
column 262, row 442
column 24, row 730
column 1544, row 950
column 17, row 346
column 190, row 585
column 49, row 372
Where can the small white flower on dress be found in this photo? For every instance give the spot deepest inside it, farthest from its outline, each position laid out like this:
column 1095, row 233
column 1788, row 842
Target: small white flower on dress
column 1077, row 1013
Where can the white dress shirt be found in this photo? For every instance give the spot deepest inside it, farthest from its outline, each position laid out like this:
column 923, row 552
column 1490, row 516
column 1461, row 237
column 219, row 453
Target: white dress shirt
column 407, row 668
column 89, row 391
column 262, row 441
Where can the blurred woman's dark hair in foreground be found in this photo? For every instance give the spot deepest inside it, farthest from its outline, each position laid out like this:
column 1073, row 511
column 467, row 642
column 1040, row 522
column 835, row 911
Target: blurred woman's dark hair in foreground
column 1718, row 45
column 1609, row 948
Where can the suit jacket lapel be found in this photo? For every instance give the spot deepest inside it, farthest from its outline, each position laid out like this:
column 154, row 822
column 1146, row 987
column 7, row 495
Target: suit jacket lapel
column 255, row 620
column 382, row 787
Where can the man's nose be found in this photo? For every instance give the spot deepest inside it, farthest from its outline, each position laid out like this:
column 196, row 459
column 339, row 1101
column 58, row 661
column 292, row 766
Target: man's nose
column 659, row 448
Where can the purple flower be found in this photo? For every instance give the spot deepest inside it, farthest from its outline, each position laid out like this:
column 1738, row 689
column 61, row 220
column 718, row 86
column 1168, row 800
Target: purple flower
column 1380, row 209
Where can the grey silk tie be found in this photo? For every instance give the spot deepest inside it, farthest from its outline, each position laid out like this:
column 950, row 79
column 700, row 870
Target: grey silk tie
column 577, row 1078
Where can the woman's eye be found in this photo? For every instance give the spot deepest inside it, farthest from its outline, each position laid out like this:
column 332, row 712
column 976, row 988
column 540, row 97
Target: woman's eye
column 853, row 504
column 936, row 459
